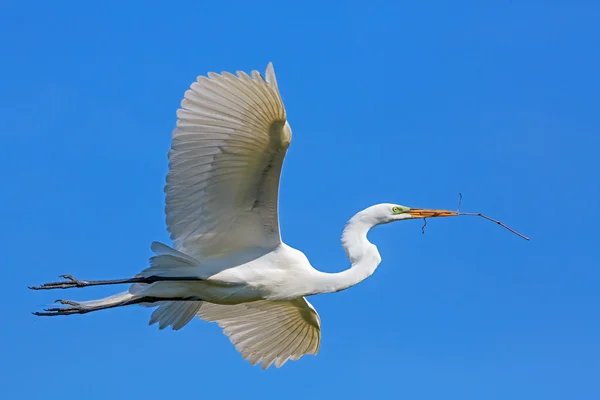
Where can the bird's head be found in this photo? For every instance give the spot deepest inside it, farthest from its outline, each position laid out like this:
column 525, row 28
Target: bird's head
column 385, row 213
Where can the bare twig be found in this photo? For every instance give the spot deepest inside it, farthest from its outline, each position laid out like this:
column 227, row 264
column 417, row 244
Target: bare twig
column 424, row 225
column 496, row 221
column 459, row 202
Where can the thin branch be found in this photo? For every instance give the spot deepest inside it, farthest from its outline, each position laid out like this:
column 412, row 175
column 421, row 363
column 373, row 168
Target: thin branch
column 496, row 221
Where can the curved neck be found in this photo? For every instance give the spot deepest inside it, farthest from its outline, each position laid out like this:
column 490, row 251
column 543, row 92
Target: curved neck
column 363, row 255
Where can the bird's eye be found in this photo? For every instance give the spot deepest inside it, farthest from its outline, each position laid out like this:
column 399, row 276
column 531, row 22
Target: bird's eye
column 396, row 210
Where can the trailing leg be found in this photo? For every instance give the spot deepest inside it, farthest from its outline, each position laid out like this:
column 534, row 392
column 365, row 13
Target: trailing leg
column 119, row 300
column 71, row 282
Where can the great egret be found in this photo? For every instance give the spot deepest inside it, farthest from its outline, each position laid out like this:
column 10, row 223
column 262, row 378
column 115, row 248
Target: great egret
column 228, row 263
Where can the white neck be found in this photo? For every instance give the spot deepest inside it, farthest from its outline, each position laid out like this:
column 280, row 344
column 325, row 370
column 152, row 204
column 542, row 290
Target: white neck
column 363, row 255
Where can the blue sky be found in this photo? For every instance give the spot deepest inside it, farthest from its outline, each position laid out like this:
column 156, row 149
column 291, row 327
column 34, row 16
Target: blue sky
column 389, row 102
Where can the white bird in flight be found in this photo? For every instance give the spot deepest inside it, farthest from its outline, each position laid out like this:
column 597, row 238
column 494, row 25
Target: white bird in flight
column 228, row 263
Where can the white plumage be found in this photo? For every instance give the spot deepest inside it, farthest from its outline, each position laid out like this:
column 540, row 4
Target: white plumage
column 225, row 162
column 268, row 331
column 228, row 264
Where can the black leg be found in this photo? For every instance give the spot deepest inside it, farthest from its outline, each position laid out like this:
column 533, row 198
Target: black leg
column 71, row 282
column 78, row 308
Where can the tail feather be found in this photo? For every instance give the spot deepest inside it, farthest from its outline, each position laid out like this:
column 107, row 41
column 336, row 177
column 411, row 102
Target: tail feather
column 176, row 314
column 168, row 262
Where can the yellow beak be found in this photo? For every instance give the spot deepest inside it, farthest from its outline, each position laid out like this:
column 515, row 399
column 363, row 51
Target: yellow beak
column 425, row 213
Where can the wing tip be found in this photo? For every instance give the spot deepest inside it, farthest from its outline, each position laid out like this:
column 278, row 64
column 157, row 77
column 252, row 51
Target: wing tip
column 270, row 77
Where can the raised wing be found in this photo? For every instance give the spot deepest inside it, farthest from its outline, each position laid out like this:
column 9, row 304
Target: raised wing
column 225, row 163
column 268, row 331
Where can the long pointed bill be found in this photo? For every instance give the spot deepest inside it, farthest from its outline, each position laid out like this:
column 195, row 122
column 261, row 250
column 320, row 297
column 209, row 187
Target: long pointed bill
column 425, row 213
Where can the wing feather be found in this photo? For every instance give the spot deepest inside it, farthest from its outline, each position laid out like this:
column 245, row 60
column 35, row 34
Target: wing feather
column 225, row 163
column 269, row 332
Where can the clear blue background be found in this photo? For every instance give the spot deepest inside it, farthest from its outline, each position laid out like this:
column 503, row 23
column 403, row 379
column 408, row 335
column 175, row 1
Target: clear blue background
column 389, row 102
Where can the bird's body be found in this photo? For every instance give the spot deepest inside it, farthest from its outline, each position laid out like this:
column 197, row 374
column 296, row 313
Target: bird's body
column 228, row 263
column 279, row 273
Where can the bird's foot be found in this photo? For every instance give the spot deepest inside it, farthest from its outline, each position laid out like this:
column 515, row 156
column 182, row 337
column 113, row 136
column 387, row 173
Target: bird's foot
column 69, row 282
column 74, row 308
